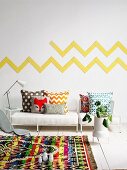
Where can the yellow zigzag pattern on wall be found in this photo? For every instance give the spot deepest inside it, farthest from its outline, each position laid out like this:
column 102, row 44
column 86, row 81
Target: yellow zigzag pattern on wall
column 96, row 44
column 61, row 68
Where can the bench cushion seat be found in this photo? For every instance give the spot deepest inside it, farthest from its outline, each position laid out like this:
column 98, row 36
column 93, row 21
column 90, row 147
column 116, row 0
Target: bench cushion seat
column 25, row 118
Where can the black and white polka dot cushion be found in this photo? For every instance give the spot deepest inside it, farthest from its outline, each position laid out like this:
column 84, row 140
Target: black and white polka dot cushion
column 27, row 99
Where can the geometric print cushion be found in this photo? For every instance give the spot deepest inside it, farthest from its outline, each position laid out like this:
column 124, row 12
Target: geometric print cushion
column 58, row 98
column 27, row 99
column 104, row 98
column 54, row 109
column 84, row 100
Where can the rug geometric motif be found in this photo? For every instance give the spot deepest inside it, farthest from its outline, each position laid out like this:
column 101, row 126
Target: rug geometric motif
column 69, row 152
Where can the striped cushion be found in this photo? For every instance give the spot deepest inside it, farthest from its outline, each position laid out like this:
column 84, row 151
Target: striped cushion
column 58, row 98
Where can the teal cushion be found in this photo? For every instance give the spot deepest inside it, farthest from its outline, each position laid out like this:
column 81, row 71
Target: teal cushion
column 104, row 98
column 54, row 108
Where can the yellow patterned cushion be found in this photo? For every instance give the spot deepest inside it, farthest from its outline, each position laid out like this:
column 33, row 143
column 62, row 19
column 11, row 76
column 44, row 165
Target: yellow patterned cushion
column 58, row 98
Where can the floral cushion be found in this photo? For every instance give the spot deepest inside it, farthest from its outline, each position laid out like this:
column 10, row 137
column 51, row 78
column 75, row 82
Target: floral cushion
column 84, row 103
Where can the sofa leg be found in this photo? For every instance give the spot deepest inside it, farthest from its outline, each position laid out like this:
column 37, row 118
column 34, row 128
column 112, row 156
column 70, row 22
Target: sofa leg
column 76, row 128
column 81, row 127
column 37, row 128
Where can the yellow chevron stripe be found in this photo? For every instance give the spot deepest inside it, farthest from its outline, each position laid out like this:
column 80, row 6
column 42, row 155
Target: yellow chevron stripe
column 96, row 44
column 58, row 99
column 57, row 102
column 57, row 95
column 61, row 68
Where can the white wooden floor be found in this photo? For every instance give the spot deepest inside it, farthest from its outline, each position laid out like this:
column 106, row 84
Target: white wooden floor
column 110, row 154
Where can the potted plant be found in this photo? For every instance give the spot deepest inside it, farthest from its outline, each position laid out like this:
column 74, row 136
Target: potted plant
column 101, row 113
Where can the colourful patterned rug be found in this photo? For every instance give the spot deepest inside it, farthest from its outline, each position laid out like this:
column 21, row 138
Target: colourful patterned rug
column 69, row 153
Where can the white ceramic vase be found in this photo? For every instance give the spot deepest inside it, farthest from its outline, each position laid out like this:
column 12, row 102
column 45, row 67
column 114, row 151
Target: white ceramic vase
column 45, row 156
column 99, row 129
column 51, row 157
column 40, row 159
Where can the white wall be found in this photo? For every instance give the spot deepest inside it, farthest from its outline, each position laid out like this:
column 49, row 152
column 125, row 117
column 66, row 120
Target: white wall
column 28, row 26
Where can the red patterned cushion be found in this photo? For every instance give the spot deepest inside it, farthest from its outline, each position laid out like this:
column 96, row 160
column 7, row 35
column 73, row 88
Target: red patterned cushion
column 84, row 103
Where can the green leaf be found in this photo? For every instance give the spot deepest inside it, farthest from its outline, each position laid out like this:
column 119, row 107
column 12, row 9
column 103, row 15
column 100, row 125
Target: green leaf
column 98, row 114
column 86, row 118
column 97, row 103
column 110, row 118
column 103, row 108
column 106, row 108
column 90, row 120
column 99, row 109
column 105, row 123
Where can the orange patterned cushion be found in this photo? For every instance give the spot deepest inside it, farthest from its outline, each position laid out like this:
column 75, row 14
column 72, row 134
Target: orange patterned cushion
column 58, row 98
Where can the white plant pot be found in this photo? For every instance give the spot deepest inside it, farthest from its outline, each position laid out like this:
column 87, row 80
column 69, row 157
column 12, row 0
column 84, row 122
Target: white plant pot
column 40, row 159
column 51, row 157
column 45, row 156
column 99, row 129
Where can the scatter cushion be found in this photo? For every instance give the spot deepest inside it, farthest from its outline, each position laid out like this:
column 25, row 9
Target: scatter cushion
column 58, row 98
column 84, row 103
column 27, row 99
column 104, row 98
column 54, row 108
column 38, row 104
